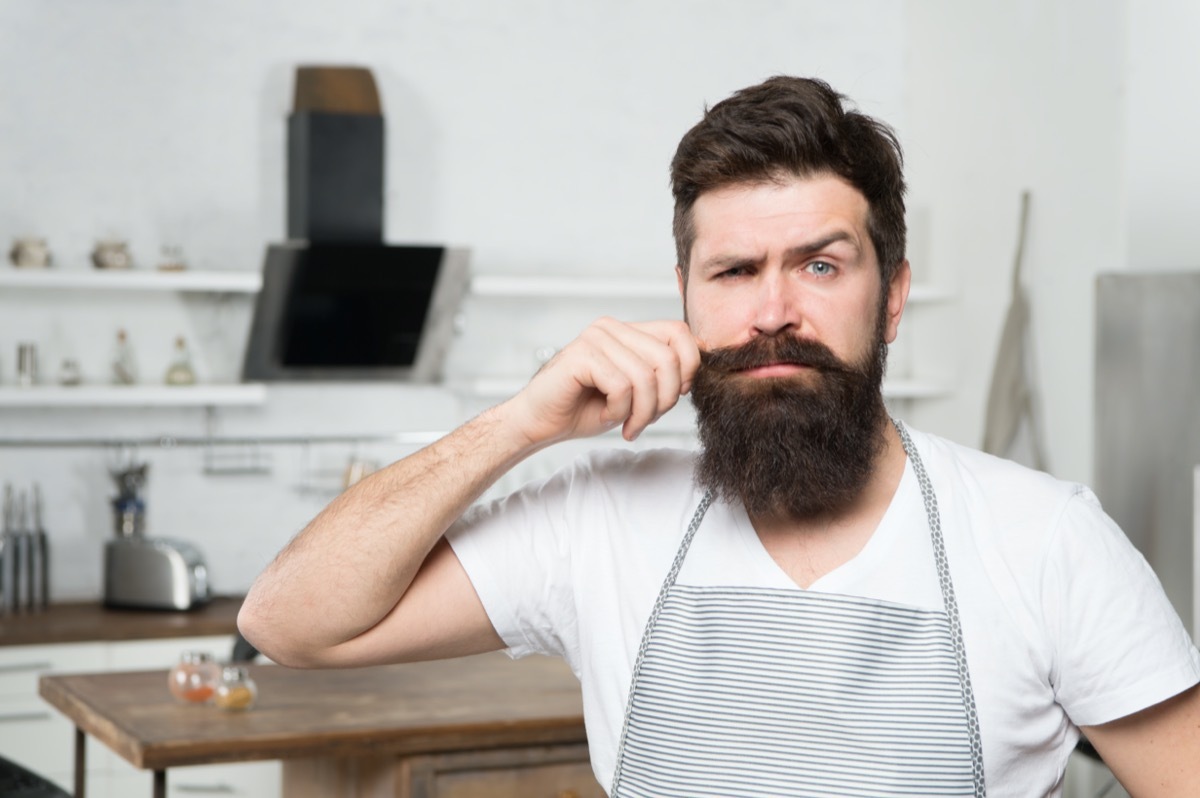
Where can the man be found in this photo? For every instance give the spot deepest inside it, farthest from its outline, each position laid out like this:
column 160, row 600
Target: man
column 821, row 601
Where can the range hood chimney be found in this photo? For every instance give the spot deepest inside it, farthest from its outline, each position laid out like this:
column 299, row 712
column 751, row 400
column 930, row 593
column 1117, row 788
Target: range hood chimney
column 338, row 303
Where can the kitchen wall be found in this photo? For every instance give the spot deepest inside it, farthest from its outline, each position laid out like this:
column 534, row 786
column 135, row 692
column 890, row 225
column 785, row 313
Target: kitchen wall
column 538, row 134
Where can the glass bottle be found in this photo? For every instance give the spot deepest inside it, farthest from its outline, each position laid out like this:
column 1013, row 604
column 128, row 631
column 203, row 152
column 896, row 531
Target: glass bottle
column 235, row 691
column 124, row 365
column 180, row 372
column 194, row 677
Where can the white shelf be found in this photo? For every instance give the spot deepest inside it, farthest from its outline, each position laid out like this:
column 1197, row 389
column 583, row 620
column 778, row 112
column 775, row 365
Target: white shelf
column 241, row 282
column 46, row 396
column 533, row 286
column 579, row 287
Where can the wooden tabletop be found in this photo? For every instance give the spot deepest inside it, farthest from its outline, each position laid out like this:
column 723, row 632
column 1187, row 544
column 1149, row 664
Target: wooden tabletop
column 82, row 622
column 486, row 701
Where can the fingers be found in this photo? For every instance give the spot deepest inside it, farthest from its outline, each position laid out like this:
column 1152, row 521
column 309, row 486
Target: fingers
column 641, row 369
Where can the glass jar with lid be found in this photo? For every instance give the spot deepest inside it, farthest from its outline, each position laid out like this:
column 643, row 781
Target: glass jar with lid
column 235, row 691
column 194, row 677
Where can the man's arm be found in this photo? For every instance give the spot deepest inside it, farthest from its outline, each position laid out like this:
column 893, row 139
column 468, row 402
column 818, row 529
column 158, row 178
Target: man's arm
column 371, row 580
column 1155, row 752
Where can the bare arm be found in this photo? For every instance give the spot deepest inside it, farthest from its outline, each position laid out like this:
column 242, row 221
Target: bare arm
column 1155, row 752
column 370, row 579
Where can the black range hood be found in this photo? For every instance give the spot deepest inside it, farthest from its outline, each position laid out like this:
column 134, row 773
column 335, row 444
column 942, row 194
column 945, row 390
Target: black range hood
column 336, row 302
column 355, row 312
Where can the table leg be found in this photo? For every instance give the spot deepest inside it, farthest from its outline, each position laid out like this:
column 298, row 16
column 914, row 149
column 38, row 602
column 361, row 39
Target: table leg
column 160, row 784
column 80, row 762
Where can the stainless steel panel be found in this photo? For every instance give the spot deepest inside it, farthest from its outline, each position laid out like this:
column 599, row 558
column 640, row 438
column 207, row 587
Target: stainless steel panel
column 1148, row 417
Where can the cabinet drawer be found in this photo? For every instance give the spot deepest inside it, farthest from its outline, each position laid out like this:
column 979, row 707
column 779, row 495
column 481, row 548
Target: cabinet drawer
column 35, row 735
column 20, row 666
column 537, row 781
column 555, row 772
column 244, row 779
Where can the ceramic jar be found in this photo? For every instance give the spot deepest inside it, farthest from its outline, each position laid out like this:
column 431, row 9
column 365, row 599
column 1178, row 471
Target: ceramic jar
column 30, row 253
column 112, row 254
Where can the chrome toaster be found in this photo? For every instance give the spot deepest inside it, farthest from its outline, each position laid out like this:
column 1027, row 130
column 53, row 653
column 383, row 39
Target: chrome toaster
column 154, row 573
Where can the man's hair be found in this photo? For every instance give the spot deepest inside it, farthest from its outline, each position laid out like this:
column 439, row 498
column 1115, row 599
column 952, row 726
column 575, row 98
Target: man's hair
column 789, row 127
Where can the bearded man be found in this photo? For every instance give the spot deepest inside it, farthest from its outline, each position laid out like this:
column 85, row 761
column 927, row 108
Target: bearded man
column 821, row 601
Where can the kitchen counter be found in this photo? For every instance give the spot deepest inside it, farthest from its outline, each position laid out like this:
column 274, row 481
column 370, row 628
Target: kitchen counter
column 83, row 622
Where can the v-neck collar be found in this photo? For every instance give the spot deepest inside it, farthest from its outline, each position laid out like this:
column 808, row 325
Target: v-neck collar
column 904, row 507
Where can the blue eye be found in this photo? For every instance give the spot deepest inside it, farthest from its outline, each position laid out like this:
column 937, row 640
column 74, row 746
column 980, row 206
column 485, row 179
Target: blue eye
column 820, row 268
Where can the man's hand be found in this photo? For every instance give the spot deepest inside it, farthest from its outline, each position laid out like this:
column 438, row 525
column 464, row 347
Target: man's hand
column 614, row 373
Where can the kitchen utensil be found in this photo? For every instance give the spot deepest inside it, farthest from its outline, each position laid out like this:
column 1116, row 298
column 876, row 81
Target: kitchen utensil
column 8, row 597
column 39, row 553
column 21, row 569
column 27, row 365
column 128, row 508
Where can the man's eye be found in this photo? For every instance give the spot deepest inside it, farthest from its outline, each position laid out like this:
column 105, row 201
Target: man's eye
column 821, row 268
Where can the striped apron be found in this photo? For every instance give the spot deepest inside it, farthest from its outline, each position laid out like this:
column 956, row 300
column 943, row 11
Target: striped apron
column 773, row 693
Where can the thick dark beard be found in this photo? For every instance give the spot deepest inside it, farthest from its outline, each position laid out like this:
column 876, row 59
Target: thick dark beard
column 789, row 447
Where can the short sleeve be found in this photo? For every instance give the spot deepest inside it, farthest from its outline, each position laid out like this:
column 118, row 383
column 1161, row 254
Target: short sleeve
column 1119, row 646
column 516, row 554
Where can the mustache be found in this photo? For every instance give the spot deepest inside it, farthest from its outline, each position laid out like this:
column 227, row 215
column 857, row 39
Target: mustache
column 767, row 350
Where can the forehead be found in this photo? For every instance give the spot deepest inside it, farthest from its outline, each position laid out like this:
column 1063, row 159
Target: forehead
column 787, row 212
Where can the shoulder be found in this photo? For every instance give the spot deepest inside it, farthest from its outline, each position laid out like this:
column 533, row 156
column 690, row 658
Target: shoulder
column 1007, row 491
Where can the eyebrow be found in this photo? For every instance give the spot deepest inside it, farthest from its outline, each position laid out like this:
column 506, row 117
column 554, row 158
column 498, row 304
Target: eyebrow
column 799, row 251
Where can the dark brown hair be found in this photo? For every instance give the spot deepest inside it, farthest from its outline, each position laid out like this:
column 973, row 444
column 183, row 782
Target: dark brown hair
column 792, row 127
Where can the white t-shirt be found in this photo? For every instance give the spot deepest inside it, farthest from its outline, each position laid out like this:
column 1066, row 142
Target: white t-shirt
column 1065, row 624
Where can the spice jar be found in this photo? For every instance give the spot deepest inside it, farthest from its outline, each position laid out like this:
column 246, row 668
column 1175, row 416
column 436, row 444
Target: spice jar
column 194, row 677
column 236, row 690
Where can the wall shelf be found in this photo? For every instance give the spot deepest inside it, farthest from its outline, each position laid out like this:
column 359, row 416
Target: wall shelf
column 533, row 286
column 239, row 282
column 94, row 396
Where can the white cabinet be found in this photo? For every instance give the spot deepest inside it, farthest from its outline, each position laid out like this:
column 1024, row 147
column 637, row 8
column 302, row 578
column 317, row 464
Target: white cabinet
column 40, row 738
column 31, row 733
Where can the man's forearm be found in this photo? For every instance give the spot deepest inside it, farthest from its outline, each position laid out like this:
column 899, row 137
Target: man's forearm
column 352, row 564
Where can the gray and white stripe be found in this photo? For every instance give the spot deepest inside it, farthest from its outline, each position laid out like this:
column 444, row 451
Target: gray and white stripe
column 868, row 704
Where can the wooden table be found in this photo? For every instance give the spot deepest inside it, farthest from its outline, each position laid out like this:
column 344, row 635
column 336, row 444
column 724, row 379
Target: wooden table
column 394, row 730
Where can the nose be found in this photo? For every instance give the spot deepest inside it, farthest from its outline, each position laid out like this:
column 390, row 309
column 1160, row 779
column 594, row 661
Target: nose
column 776, row 310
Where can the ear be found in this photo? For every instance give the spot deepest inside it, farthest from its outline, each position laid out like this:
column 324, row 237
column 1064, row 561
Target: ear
column 897, row 300
column 681, row 283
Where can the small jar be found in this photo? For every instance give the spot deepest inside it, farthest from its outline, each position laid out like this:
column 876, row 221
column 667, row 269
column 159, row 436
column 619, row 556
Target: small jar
column 235, row 691
column 194, row 677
